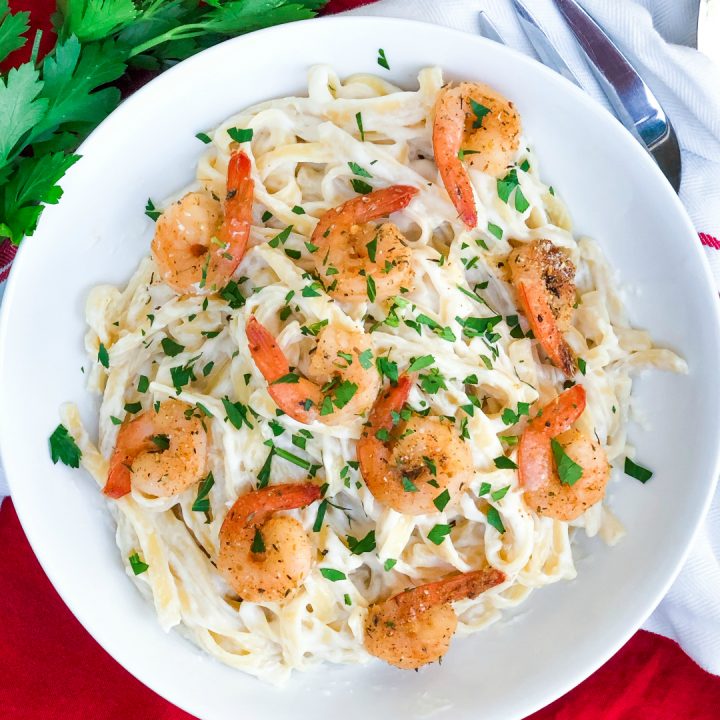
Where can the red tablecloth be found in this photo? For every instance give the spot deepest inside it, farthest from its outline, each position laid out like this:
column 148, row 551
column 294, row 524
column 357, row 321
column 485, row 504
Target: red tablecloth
column 50, row 667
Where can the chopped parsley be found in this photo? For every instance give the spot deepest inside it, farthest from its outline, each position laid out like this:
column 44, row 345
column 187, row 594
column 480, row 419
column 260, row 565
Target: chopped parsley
column 358, row 170
column 240, row 135
column 151, row 211
column 281, row 237
column 137, row 565
column 504, row 463
column 480, row 111
column 390, row 564
column 484, row 489
column 568, row 470
column 582, row 365
column 203, row 137
column 382, row 60
column 162, row 441
column 510, row 417
column 494, row 519
column 408, row 485
column 202, row 502
column 298, row 210
column 360, row 186
column 332, row 575
column 637, row 471
column 371, row 293
column 358, row 547
column 64, row 448
column 387, row 368
column 441, row 501
column 495, row 230
column 170, row 347
column 359, row 121
column 237, row 413
column 103, row 357
column 439, row 533
column 322, row 509
column 500, row 494
column 135, row 407
column 258, row 544
column 143, row 384
column 422, row 362
column 232, row 296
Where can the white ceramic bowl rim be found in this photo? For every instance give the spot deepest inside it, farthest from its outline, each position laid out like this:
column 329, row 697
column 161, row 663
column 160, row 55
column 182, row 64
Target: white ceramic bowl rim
column 531, row 694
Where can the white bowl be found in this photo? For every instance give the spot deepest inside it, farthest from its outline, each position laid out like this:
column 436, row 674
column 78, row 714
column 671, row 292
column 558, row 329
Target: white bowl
column 98, row 233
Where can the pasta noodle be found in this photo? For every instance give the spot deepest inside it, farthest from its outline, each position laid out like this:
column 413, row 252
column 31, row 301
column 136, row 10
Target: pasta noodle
column 303, row 151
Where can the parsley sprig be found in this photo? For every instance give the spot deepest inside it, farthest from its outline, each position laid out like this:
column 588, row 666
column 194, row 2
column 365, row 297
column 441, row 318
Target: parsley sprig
column 48, row 106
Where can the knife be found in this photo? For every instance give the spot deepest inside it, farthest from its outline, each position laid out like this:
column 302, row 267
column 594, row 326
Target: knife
column 632, row 100
column 543, row 47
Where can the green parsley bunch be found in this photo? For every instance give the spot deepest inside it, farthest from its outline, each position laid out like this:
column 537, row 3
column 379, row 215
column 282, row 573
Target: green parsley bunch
column 48, row 106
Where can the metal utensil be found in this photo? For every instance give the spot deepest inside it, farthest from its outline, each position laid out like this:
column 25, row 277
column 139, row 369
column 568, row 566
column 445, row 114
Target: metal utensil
column 541, row 42
column 632, row 100
column 488, row 29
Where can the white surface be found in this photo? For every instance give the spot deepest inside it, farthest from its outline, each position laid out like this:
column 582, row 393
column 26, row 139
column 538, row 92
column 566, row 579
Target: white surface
column 147, row 148
column 688, row 86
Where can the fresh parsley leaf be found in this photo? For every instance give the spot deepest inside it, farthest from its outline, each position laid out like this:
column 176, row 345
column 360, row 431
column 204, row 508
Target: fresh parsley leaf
column 63, row 448
column 582, row 365
column 133, row 408
column 568, row 470
column 12, row 29
column 151, row 211
column 204, row 138
column 484, row 489
column 390, row 564
column 365, row 358
column 504, row 463
column 20, row 107
column 322, row 509
column 162, row 442
column 143, row 384
column 637, row 471
column 370, row 284
column 408, row 485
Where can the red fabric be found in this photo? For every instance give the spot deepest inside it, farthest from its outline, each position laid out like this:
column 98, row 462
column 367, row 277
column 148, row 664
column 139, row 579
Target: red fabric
column 51, row 669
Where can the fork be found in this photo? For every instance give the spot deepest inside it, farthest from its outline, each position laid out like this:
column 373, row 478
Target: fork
column 632, row 101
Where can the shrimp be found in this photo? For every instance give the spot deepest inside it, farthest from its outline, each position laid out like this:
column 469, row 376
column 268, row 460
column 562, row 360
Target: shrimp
column 265, row 558
column 476, row 119
column 338, row 387
column 161, row 452
column 544, row 277
column 415, row 627
column 409, row 464
column 544, row 491
column 195, row 249
column 353, row 253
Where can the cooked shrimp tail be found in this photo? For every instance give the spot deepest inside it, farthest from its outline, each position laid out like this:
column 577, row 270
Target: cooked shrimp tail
column 198, row 242
column 474, row 122
column 415, row 627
